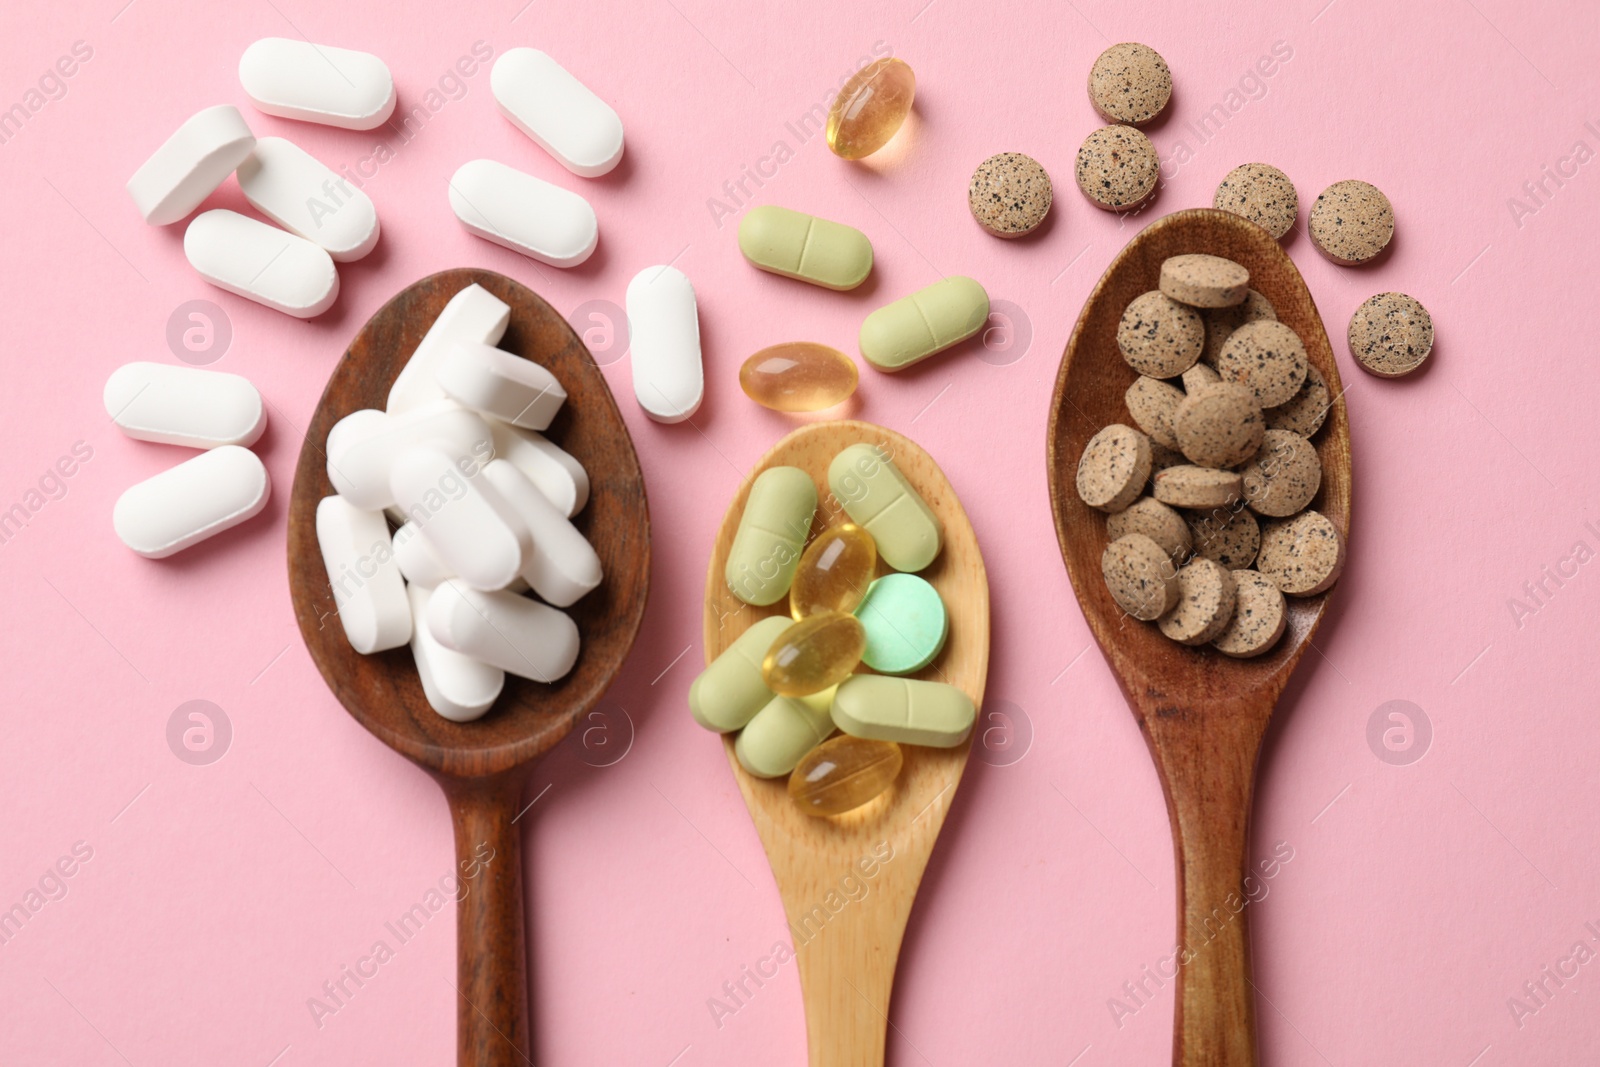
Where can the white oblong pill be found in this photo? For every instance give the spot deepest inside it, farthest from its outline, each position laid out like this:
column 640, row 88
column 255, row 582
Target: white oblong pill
column 465, row 519
column 184, row 405
column 518, row 211
column 299, row 192
column 664, row 332
column 362, row 447
column 186, row 504
column 458, row 687
column 560, row 113
column 553, row 471
column 516, row 634
column 190, row 165
column 367, row 588
column 561, row 566
column 261, row 263
column 500, row 383
column 473, row 314
column 317, row 83
column 419, row 564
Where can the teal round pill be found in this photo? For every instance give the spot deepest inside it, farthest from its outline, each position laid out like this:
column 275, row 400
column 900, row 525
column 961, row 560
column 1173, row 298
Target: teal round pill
column 906, row 624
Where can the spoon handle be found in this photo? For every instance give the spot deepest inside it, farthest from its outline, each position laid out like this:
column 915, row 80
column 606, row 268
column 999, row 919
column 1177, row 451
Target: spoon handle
column 1210, row 783
column 491, row 946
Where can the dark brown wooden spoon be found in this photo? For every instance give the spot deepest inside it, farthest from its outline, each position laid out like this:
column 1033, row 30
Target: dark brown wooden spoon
column 482, row 766
column 1202, row 714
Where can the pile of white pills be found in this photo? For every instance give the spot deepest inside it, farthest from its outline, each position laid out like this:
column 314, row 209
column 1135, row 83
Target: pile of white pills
column 481, row 504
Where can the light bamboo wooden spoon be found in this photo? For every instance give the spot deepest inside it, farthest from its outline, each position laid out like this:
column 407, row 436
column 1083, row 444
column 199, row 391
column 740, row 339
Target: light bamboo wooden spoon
column 1202, row 714
column 482, row 766
column 847, row 957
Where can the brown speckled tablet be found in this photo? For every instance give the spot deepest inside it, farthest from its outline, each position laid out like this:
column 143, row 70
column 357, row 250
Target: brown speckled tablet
column 1114, row 468
column 1230, row 536
column 1220, row 426
column 1159, row 336
column 1268, row 358
column 1152, row 403
column 1259, row 617
column 1117, row 168
column 1221, row 322
column 1303, row 555
column 1140, row 576
column 1206, row 593
column 1198, row 377
column 1391, row 335
column 1186, row 486
column 1204, row 281
column 1261, row 193
column 1130, row 83
column 1155, row 520
column 1284, row 476
column 1009, row 194
column 1306, row 410
column 1351, row 222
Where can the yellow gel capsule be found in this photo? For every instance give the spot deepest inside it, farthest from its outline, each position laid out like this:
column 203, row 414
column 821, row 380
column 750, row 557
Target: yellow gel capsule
column 870, row 108
column 798, row 376
column 877, row 496
column 804, row 247
column 772, row 531
column 813, row 654
column 834, row 573
column 927, row 322
column 842, row 774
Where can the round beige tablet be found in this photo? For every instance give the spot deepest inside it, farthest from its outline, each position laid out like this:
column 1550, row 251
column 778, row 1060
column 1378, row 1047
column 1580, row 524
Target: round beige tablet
column 1259, row 617
column 1284, row 476
column 1114, row 468
column 1303, row 555
column 1229, row 536
column 1221, row 322
column 1220, row 426
column 1130, row 83
column 1186, row 486
column 1155, row 520
column 1391, row 335
column 1261, row 193
column 1306, row 410
column 1351, row 222
column 1152, row 403
column 1198, row 377
column 1159, row 336
column 1206, row 595
column 1268, row 358
column 1204, row 281
column 1009, row 194
column 1117, row 168
column 1140, row 575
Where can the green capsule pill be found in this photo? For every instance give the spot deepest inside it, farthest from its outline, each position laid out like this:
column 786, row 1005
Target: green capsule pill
column 928, row 321
column 804, row 247
column 877, row 496
column 906, row 624
column 783, row 732
column 903, row 709
column 772, row 533
column 730, row 691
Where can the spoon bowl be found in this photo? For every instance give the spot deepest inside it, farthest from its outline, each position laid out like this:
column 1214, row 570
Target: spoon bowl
column 1203, row 714
column 848, row 881
column 484, row 765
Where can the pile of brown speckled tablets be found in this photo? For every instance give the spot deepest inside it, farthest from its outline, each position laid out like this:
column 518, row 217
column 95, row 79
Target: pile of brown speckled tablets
column 1208, row 499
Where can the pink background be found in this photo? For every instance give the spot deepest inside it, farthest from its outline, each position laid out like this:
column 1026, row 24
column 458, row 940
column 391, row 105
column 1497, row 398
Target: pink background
column 1419, row 898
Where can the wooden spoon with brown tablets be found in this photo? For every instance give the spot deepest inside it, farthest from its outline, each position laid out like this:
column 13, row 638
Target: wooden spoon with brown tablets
column 484, row 765
column 1202, row 713
column 847, row 946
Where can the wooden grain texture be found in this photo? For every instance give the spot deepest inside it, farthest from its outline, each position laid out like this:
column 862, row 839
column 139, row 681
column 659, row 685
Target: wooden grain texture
column 1202, row 714
column 482, row 766
column 847, row 943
